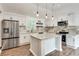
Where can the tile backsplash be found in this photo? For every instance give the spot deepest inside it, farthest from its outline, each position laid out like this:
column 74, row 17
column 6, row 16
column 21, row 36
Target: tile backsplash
column 70, row 29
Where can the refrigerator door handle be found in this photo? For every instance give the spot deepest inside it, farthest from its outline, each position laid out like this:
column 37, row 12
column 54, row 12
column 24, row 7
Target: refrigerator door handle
column 11, row 33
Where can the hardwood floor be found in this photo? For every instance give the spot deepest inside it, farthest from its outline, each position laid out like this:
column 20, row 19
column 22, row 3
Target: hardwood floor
column 66, row 52
column 24, row 51
column 19, row 51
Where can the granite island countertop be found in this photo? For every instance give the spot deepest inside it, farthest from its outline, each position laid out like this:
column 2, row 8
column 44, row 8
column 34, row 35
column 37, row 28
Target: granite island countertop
column 44, row 35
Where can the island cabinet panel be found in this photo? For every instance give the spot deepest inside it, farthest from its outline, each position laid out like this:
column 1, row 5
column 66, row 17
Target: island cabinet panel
column 35, row 46
column 47, row 45
column 43, row 44
column 58, row 43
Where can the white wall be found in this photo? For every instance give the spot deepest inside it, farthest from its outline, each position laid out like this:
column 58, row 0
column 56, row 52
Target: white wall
column 70, row 13
column 1, row 16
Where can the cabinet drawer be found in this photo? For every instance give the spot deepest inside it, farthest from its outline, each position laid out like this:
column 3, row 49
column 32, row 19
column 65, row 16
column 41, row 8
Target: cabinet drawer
column 5, row 44
column 25, row 37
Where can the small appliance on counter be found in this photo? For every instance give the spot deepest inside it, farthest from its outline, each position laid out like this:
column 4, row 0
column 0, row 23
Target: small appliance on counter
column 40, row 27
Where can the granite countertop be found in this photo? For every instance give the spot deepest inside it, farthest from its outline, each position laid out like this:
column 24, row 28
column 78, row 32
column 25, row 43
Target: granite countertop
column 44, row 35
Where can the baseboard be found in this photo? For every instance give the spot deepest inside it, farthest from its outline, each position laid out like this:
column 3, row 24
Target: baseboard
column 59, row 49
column 24, row 43
column 32, row 52
column 49, row 52
column 42, row 54
column 71, row 47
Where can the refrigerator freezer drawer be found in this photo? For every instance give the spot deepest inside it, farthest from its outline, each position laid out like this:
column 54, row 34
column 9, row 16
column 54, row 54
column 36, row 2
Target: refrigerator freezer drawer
column 5, row 44
column 16, row 42
column 11, row 43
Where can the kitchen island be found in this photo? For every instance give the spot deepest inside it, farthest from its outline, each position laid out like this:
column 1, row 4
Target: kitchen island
column 42, row 44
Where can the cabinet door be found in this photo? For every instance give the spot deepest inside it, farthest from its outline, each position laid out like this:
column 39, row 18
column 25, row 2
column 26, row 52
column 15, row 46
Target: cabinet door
column 24, row 38
column 70, row 40
column 48, row 45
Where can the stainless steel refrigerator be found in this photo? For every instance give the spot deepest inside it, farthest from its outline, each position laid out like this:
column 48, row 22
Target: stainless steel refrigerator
column 10, row 34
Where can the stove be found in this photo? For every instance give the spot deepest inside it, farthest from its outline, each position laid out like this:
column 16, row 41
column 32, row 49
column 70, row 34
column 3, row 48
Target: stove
column 63, row 33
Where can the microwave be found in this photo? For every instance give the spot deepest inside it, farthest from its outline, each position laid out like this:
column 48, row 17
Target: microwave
column 62, row 23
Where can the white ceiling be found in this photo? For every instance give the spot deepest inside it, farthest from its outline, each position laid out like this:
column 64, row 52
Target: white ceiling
column 31, row 8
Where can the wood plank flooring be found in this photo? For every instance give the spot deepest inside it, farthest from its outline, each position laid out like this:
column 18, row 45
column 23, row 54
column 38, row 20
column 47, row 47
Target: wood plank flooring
column 19, row 51
column 24, row 51
column 66, row 52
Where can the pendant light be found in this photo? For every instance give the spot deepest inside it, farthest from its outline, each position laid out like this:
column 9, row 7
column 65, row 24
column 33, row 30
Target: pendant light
column 46, row 16
column 52, row 12
column 37, row 13
column 52, row 17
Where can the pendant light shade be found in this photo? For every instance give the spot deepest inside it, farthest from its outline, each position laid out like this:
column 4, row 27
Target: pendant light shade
column 52, row 17
column 37, row 14
column 46, row 16
column 52, row 13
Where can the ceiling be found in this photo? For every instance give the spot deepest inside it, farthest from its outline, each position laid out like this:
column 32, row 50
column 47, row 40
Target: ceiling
column 31, row 8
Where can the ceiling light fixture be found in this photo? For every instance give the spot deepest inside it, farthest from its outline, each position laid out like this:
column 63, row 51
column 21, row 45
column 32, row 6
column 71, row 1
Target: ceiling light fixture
column 52, row 17
column 46, row 16
column 52, row 12
column 37, row 13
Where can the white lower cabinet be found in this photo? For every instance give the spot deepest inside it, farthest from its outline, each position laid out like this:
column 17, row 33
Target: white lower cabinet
column 58, row 43
column 48, row 45
column 24, row 39
column 72, row 41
